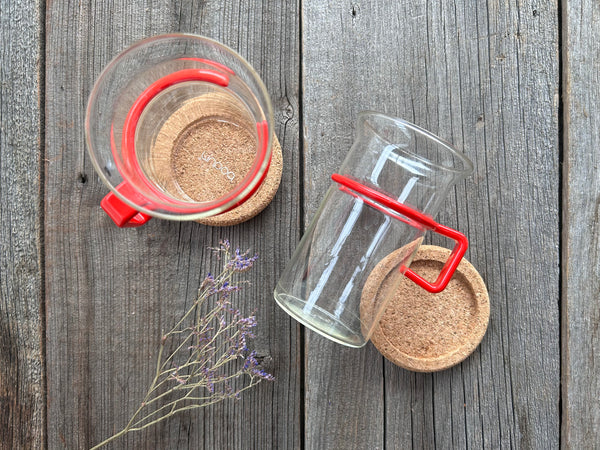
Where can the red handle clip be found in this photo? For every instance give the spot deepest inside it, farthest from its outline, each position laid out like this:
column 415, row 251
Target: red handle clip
column 376, row 199
column 120, row 212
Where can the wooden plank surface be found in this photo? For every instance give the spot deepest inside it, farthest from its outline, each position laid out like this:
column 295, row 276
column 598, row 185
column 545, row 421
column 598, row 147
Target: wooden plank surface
column 485, row 77
column 581, row 226
column 21, row 152
column 482, row 75
column 111, row 291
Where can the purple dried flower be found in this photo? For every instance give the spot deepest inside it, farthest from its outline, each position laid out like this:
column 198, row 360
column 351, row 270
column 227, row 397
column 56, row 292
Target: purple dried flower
column 262, row 374
column 248, row 322
column 225, row 290
column 250, row 361
column 241, row 262
column 208, row 349
column 251, row 368
column 208, row 281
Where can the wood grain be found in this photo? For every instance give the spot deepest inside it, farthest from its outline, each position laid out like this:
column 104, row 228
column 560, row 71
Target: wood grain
column 581, row 226
column 111, row 291
column 483, row 76
column 21, row 151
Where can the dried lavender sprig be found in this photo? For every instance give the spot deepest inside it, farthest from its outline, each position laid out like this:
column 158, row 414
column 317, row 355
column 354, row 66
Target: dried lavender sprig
column 207, row 347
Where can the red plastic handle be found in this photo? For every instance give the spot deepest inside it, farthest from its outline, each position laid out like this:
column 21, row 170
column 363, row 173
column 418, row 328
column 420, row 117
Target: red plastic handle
column 460, row 247
column 412, row 217
column 130, row 167
column 123, row 215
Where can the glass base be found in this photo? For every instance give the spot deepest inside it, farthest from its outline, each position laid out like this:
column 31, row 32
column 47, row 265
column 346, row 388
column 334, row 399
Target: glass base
column 320, row 321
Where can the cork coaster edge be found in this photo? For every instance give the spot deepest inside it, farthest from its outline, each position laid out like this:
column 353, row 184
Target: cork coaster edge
column 456, row 355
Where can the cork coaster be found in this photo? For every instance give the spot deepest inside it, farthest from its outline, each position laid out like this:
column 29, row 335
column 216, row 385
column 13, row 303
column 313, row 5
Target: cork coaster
column 204, row 148
column 426, row 332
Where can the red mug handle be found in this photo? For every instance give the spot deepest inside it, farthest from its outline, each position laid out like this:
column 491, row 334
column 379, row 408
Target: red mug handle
column 460, row 247
column 123, row 215
column 414, row 218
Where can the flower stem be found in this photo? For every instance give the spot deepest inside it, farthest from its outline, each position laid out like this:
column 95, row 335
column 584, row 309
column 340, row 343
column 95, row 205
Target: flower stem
column 206, row 348
column 112, row 438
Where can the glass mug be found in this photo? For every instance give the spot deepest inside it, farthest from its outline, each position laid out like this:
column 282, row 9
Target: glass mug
column 384, row 197
column 142, row 98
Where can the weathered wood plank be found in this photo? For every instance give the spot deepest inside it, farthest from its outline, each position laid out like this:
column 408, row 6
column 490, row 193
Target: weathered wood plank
column 22, row 399
column 111, row 291
column 581, row 226
column 485, row 77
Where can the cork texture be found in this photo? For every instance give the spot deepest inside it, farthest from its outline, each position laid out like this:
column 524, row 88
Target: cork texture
column 426, row 332
column 210, row 157
column 204, row 149
column 260, row 200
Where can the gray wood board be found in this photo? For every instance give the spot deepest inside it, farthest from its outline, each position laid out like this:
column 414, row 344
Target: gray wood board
column 483, row 76
column 581, row 226
column 111, row 291
column 21, row 350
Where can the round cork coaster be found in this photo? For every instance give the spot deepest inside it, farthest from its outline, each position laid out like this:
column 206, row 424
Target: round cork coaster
column 191, row 135
column 260, row 200
column 426, row 332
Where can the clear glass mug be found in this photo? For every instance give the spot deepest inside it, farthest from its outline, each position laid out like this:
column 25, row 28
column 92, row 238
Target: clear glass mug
column 390, row 186
column 138, row 102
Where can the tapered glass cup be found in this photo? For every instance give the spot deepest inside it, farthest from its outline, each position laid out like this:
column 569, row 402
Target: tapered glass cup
column 384, row 197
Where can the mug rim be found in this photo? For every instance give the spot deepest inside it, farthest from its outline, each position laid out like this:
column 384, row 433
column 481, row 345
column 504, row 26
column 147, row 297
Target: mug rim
column 263, row 166
column 463, row 173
